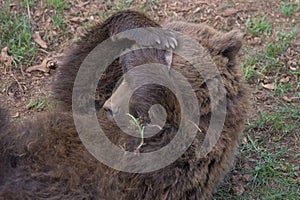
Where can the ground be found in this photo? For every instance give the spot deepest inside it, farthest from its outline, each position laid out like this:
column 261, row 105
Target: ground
column 268, row 162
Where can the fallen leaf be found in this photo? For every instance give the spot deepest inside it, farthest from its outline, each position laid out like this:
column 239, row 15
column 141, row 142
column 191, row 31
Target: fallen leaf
column 228, row 12
column 247, row 167
column 16, row 115
column 269, row 86
column 77, row 19
column 197, row 10
column 285, row 80
column 294, row 99
column 238, row 189
column 247, row 177
column 236, row 178
column 245, row 140
column 81, row 4
column 252, row 160
column 285, row 98
column 277, row 168
column 37, row 38
column 5, row 58
column 45, row 66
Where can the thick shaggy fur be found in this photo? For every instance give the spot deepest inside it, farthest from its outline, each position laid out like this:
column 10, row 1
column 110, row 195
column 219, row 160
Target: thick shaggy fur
column 64, row 80
column 45, row 158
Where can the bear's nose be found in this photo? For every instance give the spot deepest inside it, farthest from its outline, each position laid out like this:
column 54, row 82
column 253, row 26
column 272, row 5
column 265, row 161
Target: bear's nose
column 107, row 107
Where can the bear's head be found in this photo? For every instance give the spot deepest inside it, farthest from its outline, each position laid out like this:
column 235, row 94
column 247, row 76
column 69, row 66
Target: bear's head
column 154, row 104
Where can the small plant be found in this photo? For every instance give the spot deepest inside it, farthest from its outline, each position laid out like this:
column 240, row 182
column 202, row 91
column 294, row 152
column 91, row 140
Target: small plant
column 289, row 8
column 140, row 129
column 283, row 88
column 37, row 103
column 282, row 42
column 259, row 25
column 121, row 5
column 152, row 3
column 284, row 120
column 15, row 33
column 57, row 15
column 58, row 21
column 27, row 3
column 58, row 5
column 266, row 61
column 249, row 72
column 271, row 167
column 257, row 64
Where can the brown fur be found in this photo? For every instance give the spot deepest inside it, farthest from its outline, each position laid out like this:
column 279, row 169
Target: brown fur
column 64, row 80
column 201, row 175
column 46, row 159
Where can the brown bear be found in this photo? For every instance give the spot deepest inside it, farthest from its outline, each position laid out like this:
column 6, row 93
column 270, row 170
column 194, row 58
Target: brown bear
column 201, row 174
column 45, row 158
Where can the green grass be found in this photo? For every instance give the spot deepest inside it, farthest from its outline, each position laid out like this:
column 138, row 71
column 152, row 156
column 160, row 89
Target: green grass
column 27, row 3
column 121, row 5
column 58, row 21
column 259, row 25
column 249, row 69
column 280, row 45
column 274, row 167
column 283, row 88
column 289, row 8
column 129, row 4
column 58, row 5
column 258, row 64
column 284, row 119
column 141, row 129
column 274, row 162
column 38, row 103
column 15, row 33
column 270, row 59
column 17, row 28
column 274, row 177
column 152, row 3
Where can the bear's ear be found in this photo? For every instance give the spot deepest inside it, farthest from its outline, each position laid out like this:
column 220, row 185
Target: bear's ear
column 229, row 44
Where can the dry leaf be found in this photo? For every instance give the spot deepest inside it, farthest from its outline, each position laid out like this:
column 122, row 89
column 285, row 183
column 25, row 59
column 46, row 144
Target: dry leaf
column 294, row 99
column 77, row 19
column 5, row 58
column 287, row 99
column 252, row 160
column 270, row 86
column 37, row 38
column 247, row 177
column 82, row 4
column 197, row 10
column 247, row 167
column 228, row 12
column 238, row 189
column 245, row 140
column 45, row 66
column 285, row 80
column 16, row 115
